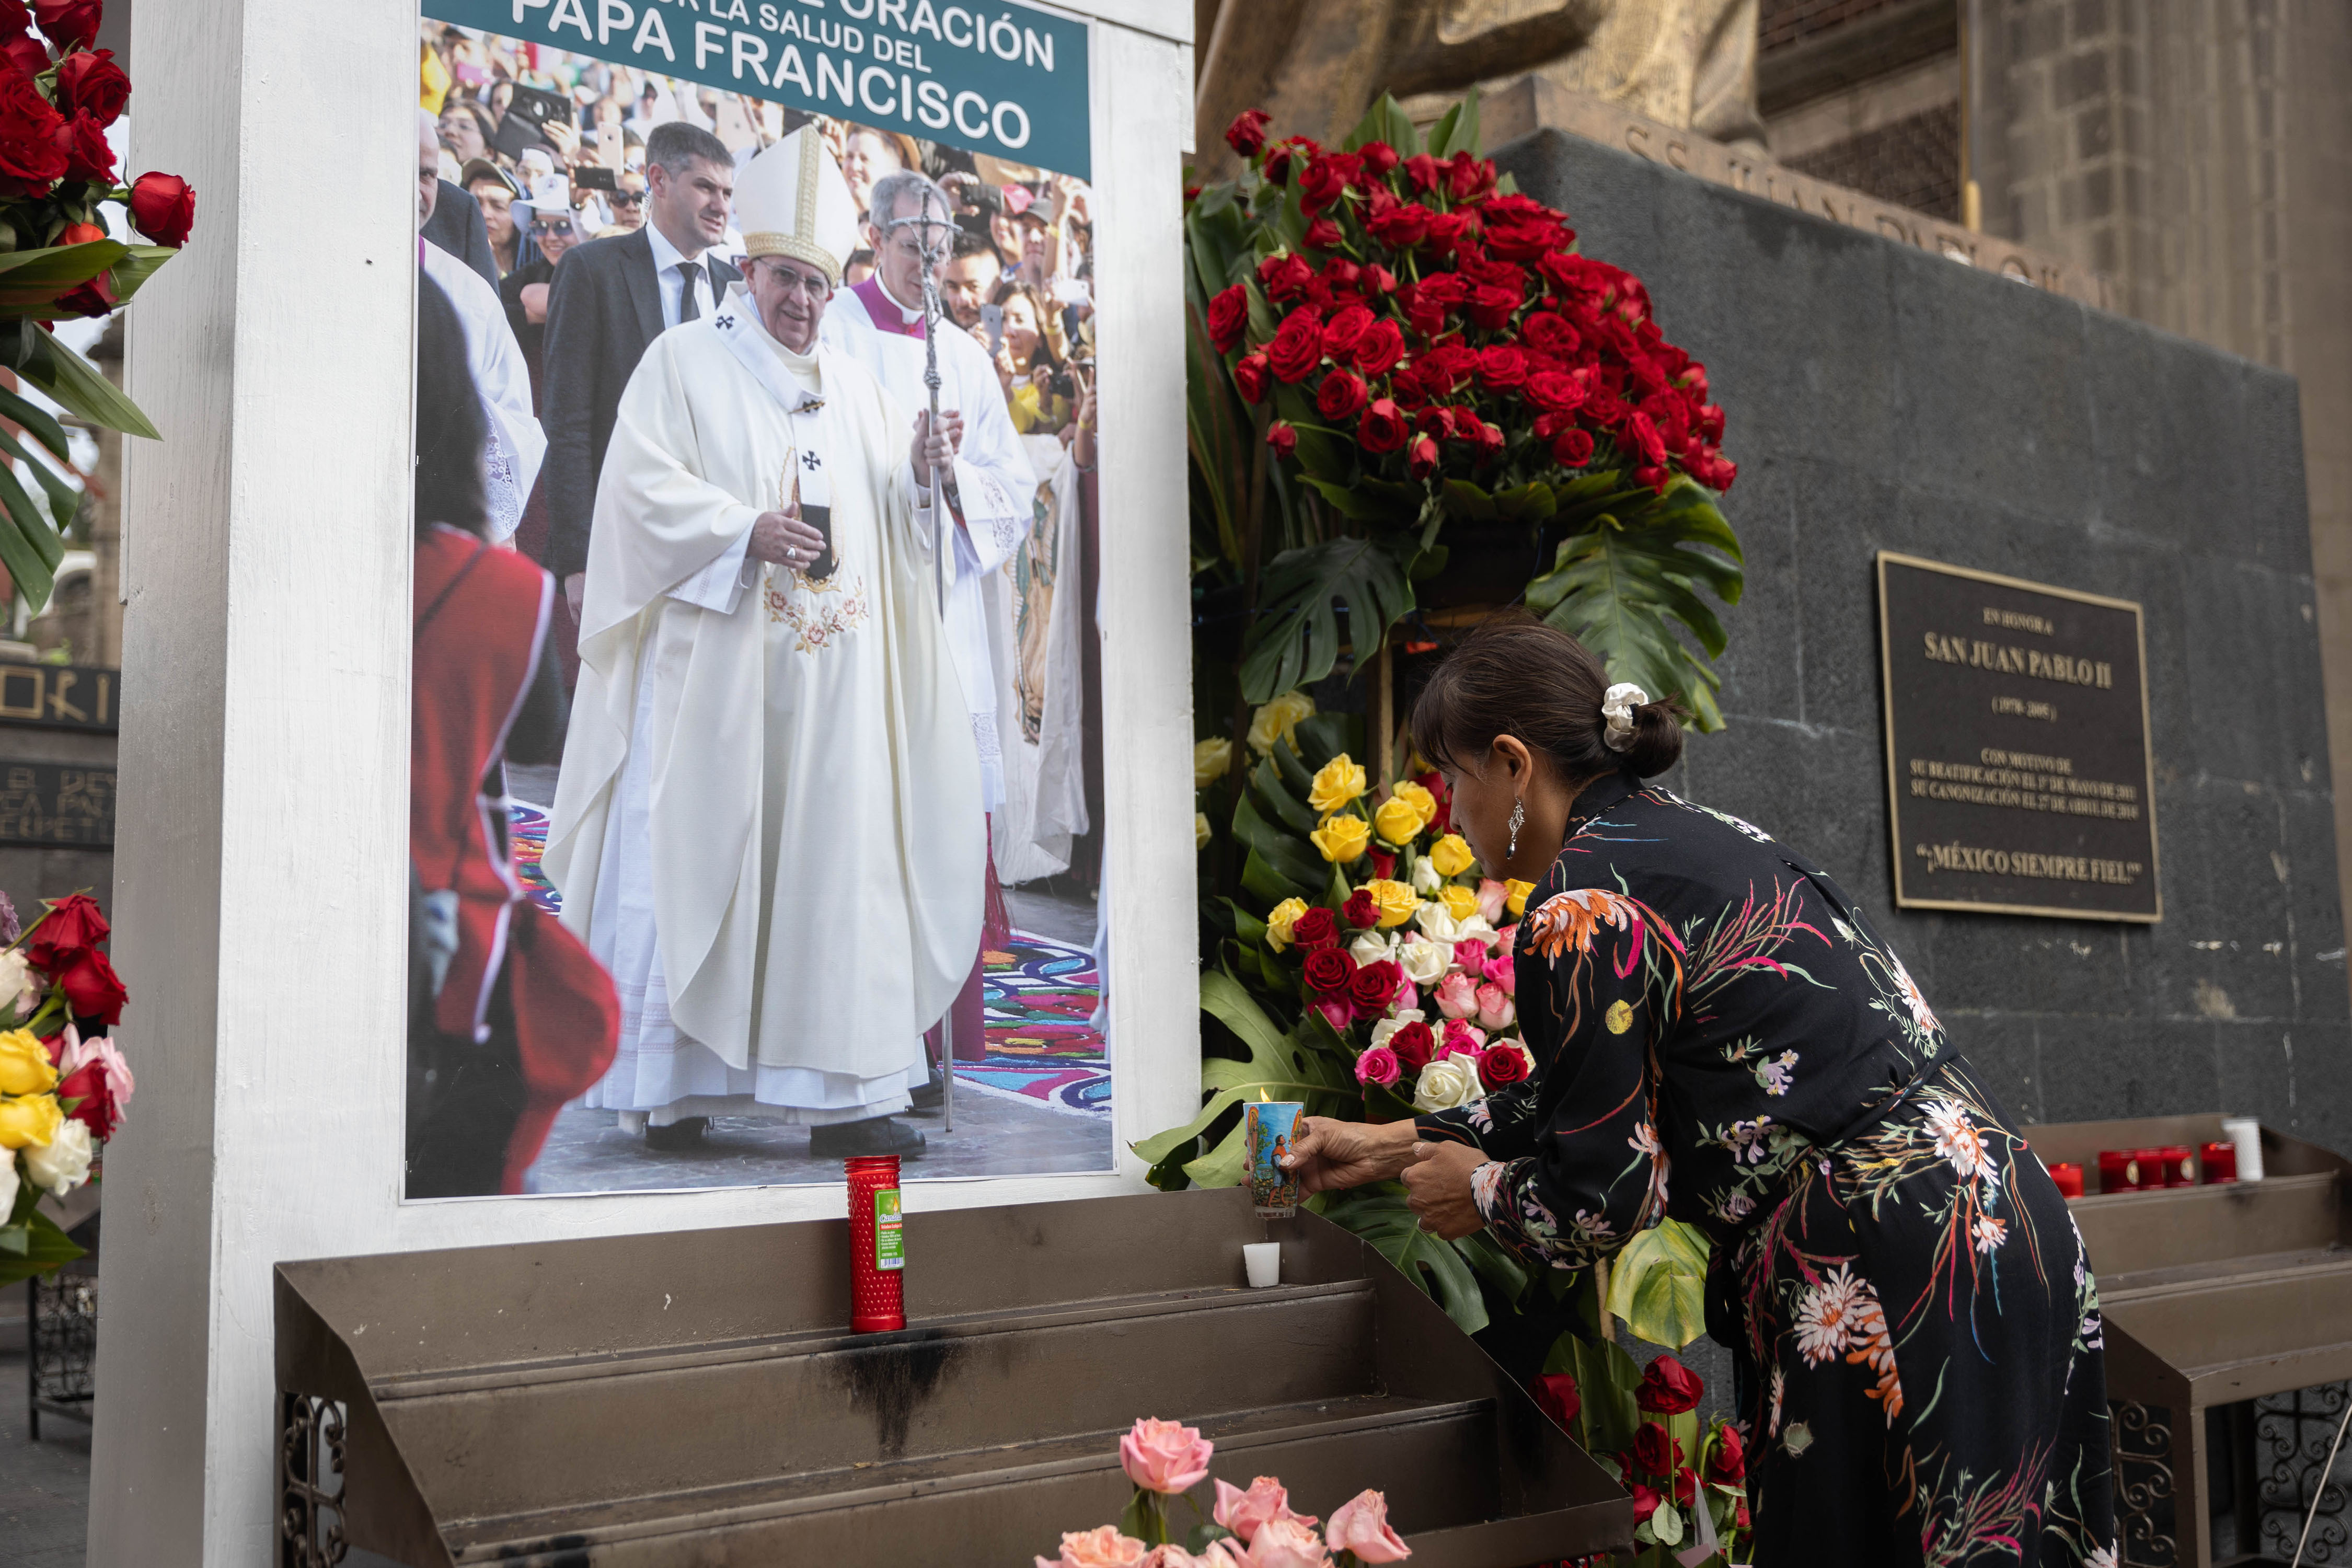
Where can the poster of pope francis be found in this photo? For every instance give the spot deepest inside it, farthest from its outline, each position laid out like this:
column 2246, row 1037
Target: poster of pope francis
column 819, row 792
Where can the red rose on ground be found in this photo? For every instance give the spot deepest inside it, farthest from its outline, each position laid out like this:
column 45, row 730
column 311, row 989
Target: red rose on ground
column 1249, row 376
column 80, row 233
column 1728, row 1462
column 1345, row 329
column 1378, row 349
column 66, row 23
column 1298, row 347
column 1489, row 441
column 1492, row 304
column 1557, row 1397
column 1379, row 279
column 27, row 55
column 163, row 207
column 1500, row 1064
column 1362, row 910
column 1314, row 929
column 99, row 1110
column 1655, row 1452
column 1384, row 427
column 1669, row 1388
column 1228, row 318
column 1341, row 395
column 16, row 18
column 1551, row 334
column 87, row 157
column 1686, row 1485
column 1557, row 391
column 92, row 989
column 1645, row 1503
column 1323, row 233
column 1448, row 365
column 1424, row 171
column 1378, row 157
column 30, row 159
column 1282, row 437
column 1414, row 1045
column 1421, row 457
column 1573, row 448
column 92, row 84
column 94, row 297
column 1374, row 986
column 1401, row 227
column 1643, row 433
column 1469, row 178
column 1324, row 180
column 1330, row 971
column 1503, row 366
column 1284, row 275
column 1246, row 134
column 1342, row 275
column 72, row 925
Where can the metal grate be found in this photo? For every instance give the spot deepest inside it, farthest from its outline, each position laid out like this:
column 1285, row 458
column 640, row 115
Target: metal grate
column 61, row 1342
column 310, row 1482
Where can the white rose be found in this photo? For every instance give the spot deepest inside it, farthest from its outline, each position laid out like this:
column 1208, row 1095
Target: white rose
column 15, row 979
column 1423, row 961
column 1373, row 947
column 1425, row 880
column 8, row 1184
column 63, row 1163
column 1442, row 927
column 1446, row 1083
column 1387, row 1026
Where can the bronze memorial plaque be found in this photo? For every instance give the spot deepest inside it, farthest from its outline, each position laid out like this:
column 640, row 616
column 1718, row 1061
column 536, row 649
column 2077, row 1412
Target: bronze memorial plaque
column 2017, row 772
column 57, row 802
column 60, row 696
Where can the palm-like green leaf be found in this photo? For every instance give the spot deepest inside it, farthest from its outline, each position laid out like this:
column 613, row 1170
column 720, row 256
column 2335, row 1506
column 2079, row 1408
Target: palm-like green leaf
column 1280, row 1066
column 34, row 1245
column 1297, row 641
column 1379, row 1215
column 1658, row 1284
column 1632, row 573
column 76, row 385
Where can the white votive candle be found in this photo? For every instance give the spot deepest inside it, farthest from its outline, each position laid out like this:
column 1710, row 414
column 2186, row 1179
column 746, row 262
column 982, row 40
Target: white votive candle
column 1264, row 1261
column 2247, row 1134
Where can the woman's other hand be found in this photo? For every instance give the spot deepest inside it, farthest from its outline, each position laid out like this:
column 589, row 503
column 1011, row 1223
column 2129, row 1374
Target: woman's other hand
column 1437, row 1188
column 1328, row 1155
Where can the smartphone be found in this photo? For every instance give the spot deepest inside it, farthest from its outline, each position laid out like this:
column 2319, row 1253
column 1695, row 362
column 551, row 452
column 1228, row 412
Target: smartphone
column 821, row 519
column 589, row 177
column 993, row 317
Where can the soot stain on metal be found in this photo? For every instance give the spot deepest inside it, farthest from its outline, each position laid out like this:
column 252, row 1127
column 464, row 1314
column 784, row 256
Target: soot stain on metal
column 893, row 1378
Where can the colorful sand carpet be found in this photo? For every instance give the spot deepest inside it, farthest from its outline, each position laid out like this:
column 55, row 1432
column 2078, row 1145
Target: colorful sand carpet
column 1040, row 994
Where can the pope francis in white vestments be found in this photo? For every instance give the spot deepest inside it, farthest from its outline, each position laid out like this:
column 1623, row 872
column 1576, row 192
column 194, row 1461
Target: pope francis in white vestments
column 769, row 824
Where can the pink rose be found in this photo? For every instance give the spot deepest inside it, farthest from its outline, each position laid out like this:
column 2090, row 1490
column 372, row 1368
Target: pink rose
column 1286, row 1544
column 1470, row 954
column 1164, row 1457
column 1463, row 1038
column 1406, row 1000
column 1495, row 1011
column 1379, row 1066
column 1218, row 1555
column 1503, row 971
column 1362, row 1526
column 1506, row 941
column 1493, row 898
column 1457, row 995
column 1245, row 1513
column 1337, row 1014
column 1102, row 1548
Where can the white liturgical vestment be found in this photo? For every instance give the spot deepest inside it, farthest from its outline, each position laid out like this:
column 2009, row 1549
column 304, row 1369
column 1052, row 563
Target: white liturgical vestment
column 768, row 822
column 510, row 463
column 995, row 483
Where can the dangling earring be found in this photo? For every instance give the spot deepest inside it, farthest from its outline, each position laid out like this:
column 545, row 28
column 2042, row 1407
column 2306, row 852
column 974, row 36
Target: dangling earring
column 1518, row 818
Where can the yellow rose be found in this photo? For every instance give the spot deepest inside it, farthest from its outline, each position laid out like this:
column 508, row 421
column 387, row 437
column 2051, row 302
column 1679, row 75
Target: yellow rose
column 1460, row 903
column 1340, row 782
column 1397, row 901
column 1343, row 839
column 1278, row 922
column 25, row 1064
column 1279, row 717
column 1398, row 820
column 1200, row 830
column 1451, row 854
column 1424, row 804
column 1515, row 896
column 1211, row 760
column 30, row 1122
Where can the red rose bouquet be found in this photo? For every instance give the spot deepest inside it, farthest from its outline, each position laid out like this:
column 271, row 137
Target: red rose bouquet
column 1414, row 342
column 63, row 1084
column 58, row 97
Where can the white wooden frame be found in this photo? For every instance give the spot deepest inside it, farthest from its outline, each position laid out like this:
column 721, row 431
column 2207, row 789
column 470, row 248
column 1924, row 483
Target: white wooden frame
column 260, row 883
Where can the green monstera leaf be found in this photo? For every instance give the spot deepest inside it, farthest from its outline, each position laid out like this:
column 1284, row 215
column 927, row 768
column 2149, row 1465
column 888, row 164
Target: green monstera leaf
column 1297, row 639
column 1658, row 1285
column 1281, row 1066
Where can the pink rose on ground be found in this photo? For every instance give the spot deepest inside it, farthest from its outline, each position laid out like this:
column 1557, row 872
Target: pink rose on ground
column 1379, row 1066
column 1218, row 1555
column 1286, row 1544
column 1457, row 996
column 1244, row 1512
column 1164, row 1457
column 1493, row 898
column 1406, row 1000
column 1495, row 1011
column 1361, row 1525
column 1470, row 954
column 99, row 1048
column 1507, row 939
column 1338, row 1014
column 1463, row 1038
column 1102, row 1548
column 1503, row 971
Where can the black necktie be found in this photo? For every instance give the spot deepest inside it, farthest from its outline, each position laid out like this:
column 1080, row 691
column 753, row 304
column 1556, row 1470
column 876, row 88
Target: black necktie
column 688, row 272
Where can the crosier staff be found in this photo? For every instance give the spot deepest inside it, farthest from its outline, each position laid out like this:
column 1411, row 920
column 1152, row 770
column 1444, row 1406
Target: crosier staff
column 932, row 233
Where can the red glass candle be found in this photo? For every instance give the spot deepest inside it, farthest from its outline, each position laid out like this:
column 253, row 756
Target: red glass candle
column 2221, row 1162
column 877, row 1256
column 2176, row 1173
column 2115, row 1171
column 2069, row 1177
column 2148, row 1169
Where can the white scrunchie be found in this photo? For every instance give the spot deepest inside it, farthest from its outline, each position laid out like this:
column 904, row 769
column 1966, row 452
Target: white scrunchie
column 1617, row 705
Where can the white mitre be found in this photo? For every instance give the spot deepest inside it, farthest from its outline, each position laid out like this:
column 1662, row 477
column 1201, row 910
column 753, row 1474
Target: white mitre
column 792, row 201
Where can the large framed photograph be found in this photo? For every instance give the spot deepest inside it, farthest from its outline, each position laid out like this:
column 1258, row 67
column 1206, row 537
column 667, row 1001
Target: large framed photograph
column 757, row 778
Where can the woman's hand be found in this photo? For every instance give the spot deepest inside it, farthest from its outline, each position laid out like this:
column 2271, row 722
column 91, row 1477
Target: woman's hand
column 1437, row 1188
column 1328, row 1155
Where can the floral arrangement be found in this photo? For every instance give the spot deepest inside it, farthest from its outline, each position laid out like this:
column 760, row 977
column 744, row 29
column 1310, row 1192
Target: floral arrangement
column 58, row 96
column 62, row 1089
column 1252, row 1529
column 1687, row 1475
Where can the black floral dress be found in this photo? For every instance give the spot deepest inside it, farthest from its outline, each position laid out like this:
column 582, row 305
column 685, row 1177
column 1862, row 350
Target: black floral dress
column 1721, row 1037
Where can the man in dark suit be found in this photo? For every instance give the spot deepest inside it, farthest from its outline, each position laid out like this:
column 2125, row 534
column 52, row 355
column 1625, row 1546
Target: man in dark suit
column 609, row 299
column 455, row 224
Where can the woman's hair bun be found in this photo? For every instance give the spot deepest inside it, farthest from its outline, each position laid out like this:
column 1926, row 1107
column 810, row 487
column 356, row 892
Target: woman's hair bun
column 1657, row 743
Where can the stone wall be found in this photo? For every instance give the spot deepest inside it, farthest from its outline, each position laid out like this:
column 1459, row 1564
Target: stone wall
column 1880, row 397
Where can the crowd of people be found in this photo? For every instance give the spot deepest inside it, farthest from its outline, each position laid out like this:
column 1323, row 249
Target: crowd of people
column 572, row 212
